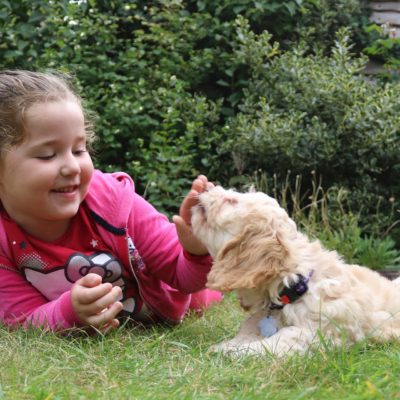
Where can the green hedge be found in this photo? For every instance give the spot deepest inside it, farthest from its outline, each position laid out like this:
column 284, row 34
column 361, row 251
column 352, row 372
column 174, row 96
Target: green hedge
column 316, row 114
column 187, row 87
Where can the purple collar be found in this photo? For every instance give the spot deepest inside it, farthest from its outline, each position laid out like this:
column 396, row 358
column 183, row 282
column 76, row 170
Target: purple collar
column 290, row 294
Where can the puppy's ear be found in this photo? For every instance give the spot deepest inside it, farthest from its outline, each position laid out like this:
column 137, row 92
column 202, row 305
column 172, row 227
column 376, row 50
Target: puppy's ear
column 249, row 260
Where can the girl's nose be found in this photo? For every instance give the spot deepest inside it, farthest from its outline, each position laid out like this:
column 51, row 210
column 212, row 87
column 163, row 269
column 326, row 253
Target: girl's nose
column 70, row 165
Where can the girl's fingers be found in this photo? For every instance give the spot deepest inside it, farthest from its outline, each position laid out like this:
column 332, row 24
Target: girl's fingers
column 209, row 185
column 200, row 183
column 106, row 317
column 90, row 280
column 104, row 301
column 88, row 295
column 188, row 202
column 113, row 324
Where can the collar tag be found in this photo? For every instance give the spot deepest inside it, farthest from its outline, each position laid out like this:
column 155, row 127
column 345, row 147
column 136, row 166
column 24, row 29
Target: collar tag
column 293, row 292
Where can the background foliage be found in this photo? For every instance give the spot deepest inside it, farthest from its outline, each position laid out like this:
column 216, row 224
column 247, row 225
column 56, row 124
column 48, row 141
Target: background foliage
column 229, row 88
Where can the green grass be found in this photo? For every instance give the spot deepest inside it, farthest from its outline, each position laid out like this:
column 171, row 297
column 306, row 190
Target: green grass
column 174, row 363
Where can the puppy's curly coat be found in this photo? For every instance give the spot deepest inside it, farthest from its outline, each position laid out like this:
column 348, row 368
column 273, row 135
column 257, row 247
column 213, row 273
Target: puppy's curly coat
column 258, row 251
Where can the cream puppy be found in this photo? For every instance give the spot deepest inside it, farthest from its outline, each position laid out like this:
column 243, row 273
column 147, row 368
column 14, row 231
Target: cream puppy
column 296, row 291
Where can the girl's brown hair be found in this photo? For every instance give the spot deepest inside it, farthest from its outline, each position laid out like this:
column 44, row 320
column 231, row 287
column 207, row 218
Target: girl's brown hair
column 20, row 90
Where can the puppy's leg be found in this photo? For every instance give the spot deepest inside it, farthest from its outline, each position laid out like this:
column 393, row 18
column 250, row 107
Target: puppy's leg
column 286, row 341
column 249, row 332
column 250, row 325
column 386, row 326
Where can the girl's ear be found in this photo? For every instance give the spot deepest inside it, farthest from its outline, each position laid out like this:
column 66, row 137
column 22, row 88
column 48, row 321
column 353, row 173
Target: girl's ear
column 249, row 260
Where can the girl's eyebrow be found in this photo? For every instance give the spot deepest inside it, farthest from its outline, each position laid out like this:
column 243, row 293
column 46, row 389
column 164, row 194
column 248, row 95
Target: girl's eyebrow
column 52, row 142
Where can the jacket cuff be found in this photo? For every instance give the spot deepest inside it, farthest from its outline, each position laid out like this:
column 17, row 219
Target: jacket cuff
column 67, row 311
column 206, row 259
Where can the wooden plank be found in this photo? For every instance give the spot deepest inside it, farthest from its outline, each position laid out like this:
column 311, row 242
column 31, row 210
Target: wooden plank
column 391, row 18
column 385, row 6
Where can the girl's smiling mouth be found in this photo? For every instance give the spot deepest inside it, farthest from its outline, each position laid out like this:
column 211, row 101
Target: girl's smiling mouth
column 67, row 189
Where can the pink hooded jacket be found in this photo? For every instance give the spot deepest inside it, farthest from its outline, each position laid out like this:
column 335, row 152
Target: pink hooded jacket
column 165, row 274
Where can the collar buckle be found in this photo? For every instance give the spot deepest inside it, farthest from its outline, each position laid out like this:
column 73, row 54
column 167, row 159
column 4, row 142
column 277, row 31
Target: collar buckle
column 290, row 294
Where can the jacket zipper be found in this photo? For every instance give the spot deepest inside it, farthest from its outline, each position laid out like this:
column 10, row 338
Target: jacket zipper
column 157, row 313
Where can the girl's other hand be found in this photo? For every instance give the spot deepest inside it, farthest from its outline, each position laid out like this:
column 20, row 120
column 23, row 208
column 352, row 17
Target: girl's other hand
column 95, row 303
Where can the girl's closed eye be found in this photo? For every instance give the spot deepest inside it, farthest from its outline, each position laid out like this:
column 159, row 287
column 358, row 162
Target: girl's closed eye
column 80, row 152
column 46, row 157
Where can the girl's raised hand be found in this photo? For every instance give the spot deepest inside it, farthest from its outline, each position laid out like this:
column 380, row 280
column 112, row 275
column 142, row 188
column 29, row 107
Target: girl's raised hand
column 182, row 221
column 95, row 303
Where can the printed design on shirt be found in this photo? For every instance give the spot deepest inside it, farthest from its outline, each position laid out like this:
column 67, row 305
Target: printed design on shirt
column 31, row 260
column 103, row 264
column 52, row 284
column 94, row 243
column 22, row 244
column 134, row 255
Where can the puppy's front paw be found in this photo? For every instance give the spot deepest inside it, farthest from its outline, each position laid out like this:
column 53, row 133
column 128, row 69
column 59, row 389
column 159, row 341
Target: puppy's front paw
column 235, row 349
column 222, row 347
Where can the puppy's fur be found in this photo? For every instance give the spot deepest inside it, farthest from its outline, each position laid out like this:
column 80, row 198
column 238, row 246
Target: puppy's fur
column 258, row 250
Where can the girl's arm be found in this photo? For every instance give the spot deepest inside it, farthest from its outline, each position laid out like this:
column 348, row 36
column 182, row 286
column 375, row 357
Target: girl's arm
column 22, row 304
column 157, row 242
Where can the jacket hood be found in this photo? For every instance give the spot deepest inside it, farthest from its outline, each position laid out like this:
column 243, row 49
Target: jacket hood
column 111, row 194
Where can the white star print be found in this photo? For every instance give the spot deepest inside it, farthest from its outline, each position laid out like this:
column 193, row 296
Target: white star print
column 94, row 243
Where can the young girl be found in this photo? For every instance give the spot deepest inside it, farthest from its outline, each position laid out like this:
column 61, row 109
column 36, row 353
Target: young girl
column 79, row 247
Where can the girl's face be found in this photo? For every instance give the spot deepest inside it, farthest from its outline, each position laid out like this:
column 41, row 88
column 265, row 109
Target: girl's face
column 44, row 179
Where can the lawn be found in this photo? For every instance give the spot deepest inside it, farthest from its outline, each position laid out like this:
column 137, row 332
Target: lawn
column 174, row 363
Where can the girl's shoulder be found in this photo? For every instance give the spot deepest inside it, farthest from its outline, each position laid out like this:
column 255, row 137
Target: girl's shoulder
column 111, row 195
column 111, row 180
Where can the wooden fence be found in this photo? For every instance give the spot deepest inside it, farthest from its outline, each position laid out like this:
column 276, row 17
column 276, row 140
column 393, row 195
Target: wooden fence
column 387, row 14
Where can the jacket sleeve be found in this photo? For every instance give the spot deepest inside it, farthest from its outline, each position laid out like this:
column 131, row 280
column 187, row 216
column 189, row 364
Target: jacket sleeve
column 22, row 304
column 158, row 244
